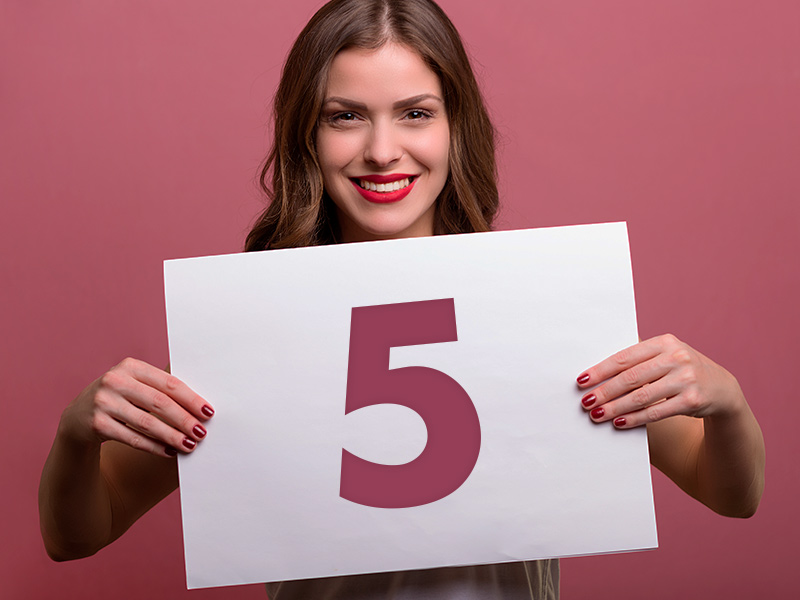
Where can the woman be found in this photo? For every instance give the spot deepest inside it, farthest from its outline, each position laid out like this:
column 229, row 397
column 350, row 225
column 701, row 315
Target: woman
column 381, row 132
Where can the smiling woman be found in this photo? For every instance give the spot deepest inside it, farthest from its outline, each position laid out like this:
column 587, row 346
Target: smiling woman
column 383, row 143
column 429, row 90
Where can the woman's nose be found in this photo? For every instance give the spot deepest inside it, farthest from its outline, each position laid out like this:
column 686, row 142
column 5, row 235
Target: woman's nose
column 383, row 146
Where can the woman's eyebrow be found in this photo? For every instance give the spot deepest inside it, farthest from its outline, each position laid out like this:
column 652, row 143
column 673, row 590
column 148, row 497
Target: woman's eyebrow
column 416, row 100
column 344, row 102
column 347, row 103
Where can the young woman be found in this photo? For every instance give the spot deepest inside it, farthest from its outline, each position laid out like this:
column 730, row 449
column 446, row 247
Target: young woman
column 381, row 132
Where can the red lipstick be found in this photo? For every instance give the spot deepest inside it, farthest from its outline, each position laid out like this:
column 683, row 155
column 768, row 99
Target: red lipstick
column 384, row 197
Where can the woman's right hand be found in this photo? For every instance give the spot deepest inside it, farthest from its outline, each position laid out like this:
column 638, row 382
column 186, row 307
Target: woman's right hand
column 141, row 406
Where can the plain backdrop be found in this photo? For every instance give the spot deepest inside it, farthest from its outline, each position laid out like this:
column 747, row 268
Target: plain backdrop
column 132, row 131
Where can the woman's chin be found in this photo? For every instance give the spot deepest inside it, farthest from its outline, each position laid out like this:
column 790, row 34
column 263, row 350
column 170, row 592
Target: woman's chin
column 374, row 235
column 386, row 228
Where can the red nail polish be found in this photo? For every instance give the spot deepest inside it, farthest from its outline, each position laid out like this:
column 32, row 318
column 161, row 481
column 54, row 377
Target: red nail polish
column 583, row 378
column 207, row 411
column 598, row 412
column 189, row 443
column 170, row 451
column 619, row 422
column 199, row 431
column 588, row 400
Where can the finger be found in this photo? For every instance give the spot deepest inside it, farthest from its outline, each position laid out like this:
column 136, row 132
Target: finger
column 114, row 430
column 120, row 388
column 639, row 399
column 670, row 407
column 623, row 360
column 630, row 380
column 171, row 386
column 149, row 426
column 153, row 402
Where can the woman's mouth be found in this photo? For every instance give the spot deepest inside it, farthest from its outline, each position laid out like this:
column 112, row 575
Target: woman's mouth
column 384, row 187
column 377, row 189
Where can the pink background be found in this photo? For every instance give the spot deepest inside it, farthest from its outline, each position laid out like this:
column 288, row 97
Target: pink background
column 132, row 132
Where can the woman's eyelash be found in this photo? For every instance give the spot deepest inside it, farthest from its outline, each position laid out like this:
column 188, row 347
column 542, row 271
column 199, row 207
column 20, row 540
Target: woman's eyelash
column 345, row 117
column 419, row 113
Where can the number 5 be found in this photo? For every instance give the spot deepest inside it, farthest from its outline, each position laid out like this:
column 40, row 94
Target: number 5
column 454, row 432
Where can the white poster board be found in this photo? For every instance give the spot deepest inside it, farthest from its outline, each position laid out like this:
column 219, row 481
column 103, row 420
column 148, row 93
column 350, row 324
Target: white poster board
column 266, row 338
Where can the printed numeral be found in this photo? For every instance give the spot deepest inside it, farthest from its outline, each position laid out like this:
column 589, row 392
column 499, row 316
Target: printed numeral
column 454, row 433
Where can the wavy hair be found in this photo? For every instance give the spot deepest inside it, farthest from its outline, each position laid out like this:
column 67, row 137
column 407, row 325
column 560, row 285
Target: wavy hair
column 299, row 212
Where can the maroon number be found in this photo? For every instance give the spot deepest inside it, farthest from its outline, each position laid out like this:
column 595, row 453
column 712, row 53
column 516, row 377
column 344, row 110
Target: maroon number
column 454, row 432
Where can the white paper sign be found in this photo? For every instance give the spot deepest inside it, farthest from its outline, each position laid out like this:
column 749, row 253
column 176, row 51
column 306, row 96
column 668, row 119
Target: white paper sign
column 266, row 338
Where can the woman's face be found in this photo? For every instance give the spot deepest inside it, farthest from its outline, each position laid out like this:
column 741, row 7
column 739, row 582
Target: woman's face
column 383, row 140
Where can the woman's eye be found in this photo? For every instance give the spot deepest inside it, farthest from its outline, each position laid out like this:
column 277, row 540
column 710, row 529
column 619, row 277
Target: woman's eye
column 416, row 115
column 340, row 119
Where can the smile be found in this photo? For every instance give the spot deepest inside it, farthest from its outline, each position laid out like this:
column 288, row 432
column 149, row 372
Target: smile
column 382, row 189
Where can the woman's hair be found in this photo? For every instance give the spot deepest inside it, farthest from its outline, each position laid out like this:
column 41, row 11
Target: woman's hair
column 300, row 213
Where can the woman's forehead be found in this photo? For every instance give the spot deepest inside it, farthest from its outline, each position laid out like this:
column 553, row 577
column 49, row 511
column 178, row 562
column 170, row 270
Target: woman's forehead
column 392, row 70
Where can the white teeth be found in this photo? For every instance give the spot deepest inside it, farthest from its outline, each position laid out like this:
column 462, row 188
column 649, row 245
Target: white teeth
column 384, row 187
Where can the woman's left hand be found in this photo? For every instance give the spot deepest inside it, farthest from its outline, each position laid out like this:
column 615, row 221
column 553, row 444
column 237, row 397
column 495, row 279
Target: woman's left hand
column 656, row 379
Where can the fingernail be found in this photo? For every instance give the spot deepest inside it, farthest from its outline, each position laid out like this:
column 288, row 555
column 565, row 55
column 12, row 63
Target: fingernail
column 170, row 451
column 588, row 400
column 199, row 431
column 619, row 422
column 598, row 412
column 207, row 411
column 189, row 443
column 583, row 378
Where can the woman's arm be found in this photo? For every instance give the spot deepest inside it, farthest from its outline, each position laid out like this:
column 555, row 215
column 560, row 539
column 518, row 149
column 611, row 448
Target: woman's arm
column 113, row 457
column 702, row 432
column 89, row 496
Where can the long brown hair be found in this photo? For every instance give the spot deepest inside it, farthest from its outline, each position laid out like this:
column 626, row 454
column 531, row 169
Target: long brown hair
column 300, row 213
